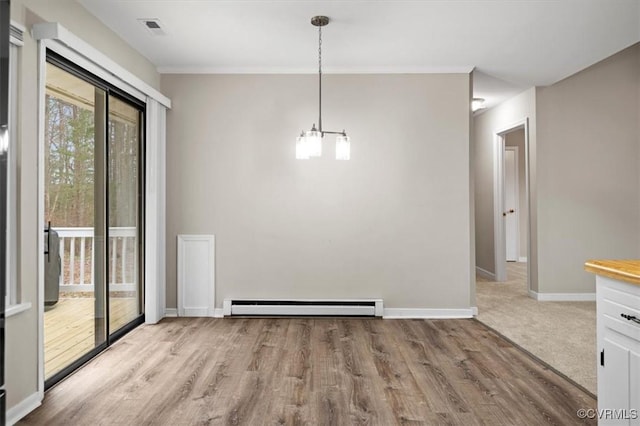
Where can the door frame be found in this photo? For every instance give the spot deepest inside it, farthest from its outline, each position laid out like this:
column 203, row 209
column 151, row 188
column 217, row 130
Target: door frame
column 517, row 196
column 499, row 230
column 56, row 38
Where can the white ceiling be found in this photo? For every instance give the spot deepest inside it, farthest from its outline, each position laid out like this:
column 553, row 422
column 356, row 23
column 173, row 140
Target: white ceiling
column 513, row 44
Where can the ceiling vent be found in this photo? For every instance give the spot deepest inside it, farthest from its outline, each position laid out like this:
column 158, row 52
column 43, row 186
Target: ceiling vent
column 152, row 25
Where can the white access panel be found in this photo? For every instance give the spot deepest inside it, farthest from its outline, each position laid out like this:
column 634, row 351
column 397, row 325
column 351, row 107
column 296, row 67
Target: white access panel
column 196, row 275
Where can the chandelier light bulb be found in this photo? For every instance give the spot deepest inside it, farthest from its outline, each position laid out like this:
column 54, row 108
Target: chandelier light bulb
column 302, row 153
column 343, row 147
column 313, row 139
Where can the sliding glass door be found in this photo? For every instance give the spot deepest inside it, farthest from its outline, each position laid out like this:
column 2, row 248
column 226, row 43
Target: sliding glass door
column 125, row 248
column 93, row 209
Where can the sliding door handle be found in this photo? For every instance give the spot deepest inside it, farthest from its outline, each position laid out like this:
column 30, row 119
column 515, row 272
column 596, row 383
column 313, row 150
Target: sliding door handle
column 48, row 248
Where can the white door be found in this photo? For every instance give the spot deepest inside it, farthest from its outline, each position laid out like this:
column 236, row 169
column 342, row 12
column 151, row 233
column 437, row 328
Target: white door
column 511, row 202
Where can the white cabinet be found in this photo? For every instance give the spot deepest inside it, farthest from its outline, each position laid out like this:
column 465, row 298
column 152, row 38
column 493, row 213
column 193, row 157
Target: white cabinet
column 618, row 306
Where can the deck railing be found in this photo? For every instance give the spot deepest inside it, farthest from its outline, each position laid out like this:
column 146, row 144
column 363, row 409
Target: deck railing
column 78, row 261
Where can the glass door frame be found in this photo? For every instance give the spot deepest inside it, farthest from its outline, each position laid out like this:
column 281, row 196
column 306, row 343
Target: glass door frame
column 110, row 91
column 140, row 197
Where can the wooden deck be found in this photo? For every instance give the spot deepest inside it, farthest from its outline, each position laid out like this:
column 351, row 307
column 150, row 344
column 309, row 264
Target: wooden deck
column 69, row 328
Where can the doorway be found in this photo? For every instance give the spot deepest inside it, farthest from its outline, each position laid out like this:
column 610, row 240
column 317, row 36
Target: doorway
column 511, row 203
column 93, row 205
column 503, row 303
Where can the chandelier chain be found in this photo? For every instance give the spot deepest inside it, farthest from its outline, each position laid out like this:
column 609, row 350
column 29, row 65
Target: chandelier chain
column 320, row 78
column 320, row 50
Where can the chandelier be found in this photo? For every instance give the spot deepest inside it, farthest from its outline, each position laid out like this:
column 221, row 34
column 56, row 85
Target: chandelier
column 309, row 143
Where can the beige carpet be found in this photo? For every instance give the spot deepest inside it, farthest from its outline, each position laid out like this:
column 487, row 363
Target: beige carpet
column 562, row 334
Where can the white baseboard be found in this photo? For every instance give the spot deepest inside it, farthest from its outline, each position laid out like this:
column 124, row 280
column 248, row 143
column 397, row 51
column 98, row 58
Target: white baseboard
column 522, row 259
column 474, row 311
column 173, row 312
column 485, row 274
column 562, row 297
column 24, row 407
column 397, row 313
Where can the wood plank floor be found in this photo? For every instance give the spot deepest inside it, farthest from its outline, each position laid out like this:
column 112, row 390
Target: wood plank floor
column 312, row 371
column 69, row 328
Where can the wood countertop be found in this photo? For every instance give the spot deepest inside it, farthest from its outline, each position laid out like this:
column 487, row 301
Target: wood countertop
column 623, row 270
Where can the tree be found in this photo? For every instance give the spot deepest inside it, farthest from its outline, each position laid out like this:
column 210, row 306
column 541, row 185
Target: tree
column 69, row 163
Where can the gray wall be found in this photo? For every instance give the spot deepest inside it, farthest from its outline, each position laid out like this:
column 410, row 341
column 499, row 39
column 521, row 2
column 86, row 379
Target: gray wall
column 21, row 365
column 588, row 151
column 485, row 127
column 393, row 222
column 516, row 138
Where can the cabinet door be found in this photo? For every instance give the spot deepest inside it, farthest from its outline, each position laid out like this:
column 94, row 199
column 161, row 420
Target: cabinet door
column 613, row 389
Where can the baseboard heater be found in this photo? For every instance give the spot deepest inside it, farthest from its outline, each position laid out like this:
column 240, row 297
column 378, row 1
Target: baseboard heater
column 306, row 307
